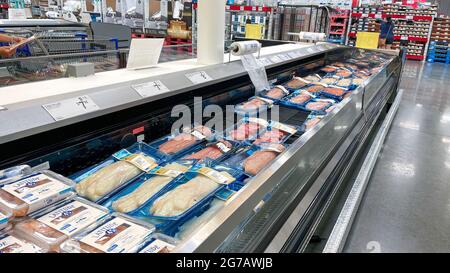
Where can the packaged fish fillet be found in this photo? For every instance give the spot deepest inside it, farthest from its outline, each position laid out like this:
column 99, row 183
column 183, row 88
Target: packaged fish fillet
column 253, row 106
column 192, row 191
column 116, row 233
column 5, row 217
column 102, row 180
column 179, row 143
column 276, row 132
column 14, row 173
column 34, row 192
column 11, row 243
column 261, row 157
column 247, row 129
column 358, row 81
column 311, row 121
column 296, row 83
column 344, row 73
column 329, row 80
column 134, row 196
column 334, row 92
column 329, row 69
column 276, row 93
column 318, row 106
column 159, row 243
column 298, row 98
column 216, row 150
column 313, row 78
column 49, row 227
column 316, row 87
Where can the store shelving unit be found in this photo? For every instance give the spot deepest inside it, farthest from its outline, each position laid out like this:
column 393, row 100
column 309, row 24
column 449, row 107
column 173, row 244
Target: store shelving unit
column 413, row 25
column 439, row 49
column 338, row 27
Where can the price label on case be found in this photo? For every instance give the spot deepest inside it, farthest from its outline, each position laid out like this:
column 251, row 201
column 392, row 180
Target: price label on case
column 71, row 107
column 409, row 17
column 150, row 88
column 198, row 77
column 404, row 38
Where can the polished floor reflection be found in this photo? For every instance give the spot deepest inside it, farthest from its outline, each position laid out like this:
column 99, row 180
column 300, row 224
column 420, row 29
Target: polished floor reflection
column 406, row 207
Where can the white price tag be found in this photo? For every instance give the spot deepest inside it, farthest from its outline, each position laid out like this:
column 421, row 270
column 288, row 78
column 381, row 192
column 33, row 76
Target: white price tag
column 253, row 8
column 378, row 16
column 364, row 15
column 409, row 17
column 241, row 8
column 198, row 77
column 150, row 88
column 71, row 107
column 404, row 38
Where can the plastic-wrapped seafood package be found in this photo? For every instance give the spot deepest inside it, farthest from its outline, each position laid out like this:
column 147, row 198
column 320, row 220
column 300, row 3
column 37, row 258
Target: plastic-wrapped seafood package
column 276, row 93
column 262, row 157
column 277, row 132
column 134, row 196
column 11, row 243
column 116, row 233
column 50, row 227
column 212, row 150
column 194, row 190
column 334, row 92
column 247, row 129
column 104, row 179
column 34, row 192
column 14, row 173
column 311, row 121
column 176, row 145
column 253, row 106
column 297, row 83
column 159, row 243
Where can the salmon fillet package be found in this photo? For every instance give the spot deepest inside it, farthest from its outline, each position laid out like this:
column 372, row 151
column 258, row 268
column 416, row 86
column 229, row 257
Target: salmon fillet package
column 246, row 130
column 253, row 106
column 178, row 144
column 34, row 192
column 136, row 195
column 191, row 193
column 296, row 83
column 276, row 93
column 334, row 92
column 213, row 150
column 311, row 121
column 11, row 243
column 50, row 227
column 115, row 233
column 276, row 132
column 14, row 173
column 254, row 158
column 298, row 99
column 99, row 182
column 261, row 157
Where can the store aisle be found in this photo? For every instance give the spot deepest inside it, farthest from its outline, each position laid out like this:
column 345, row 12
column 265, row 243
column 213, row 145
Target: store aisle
column 406, row 207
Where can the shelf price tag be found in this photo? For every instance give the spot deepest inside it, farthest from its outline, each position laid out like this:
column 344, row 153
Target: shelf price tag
column 198, row 77
column 404, row 38
column 150, row 88
column 409, row 17
column 71, row 107
column 378, row 16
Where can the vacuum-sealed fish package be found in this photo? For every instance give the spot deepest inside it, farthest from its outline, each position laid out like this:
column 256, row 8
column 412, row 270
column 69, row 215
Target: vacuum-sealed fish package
column 50, row 227
column 191, row 191
column 116, row 233
column 247, row 129
column 276, row 132
column 34, row 192
column 10, row 243
column 14, row 173
column 99, row 182
column 177, row 144
column 253, row 106
column 261, row 157
column 137, row 194
column 276, row 93
column 212, row 150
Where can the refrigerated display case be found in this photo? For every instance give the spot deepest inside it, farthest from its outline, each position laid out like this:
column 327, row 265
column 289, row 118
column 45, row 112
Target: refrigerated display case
column 274, row 211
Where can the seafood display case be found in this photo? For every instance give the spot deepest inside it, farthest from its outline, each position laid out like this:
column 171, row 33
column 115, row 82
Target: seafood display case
column 269, row 208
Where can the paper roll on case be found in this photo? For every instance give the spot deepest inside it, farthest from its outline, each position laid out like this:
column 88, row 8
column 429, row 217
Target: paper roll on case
column 312, row 36
column 244, row 48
